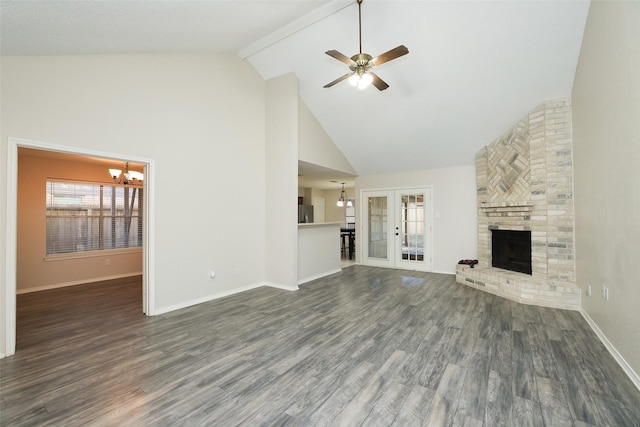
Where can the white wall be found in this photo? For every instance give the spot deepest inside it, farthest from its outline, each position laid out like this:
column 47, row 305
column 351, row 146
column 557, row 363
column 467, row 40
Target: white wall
column 281, row 182
column 454, row 209
column 318, row 251
column 33, row 271
column 200, row 117
column 315, row 146
column 606, row 140
column 5, row 300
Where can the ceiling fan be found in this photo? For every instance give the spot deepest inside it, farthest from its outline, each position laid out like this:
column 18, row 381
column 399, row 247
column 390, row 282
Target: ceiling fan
column 360, row 64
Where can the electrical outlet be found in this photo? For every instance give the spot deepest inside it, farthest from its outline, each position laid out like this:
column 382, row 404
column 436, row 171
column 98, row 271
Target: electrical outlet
column 212, row 275
column 605, row 293
column 107, row 261
column 588, row 292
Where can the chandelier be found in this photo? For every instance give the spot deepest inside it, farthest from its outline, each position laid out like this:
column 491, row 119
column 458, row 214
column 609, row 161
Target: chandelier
column 343, row 198
column 126, row 176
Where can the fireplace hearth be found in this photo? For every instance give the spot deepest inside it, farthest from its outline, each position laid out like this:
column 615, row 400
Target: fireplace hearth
column 525, row 191
column 511, row 250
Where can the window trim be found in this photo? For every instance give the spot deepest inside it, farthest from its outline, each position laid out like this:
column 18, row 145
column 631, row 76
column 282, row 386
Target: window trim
column 92, row 254
column 84, row 181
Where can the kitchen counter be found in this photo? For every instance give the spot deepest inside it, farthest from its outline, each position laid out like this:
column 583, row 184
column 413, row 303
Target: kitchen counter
column 316, row 224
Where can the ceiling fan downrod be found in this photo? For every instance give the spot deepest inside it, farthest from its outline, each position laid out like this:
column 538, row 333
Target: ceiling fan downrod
column 360, row 23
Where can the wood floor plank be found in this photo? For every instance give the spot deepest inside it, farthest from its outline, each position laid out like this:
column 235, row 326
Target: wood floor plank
column 526, row 413
column 519, row 316
column 444, row 404
column 363, row 402
column 473, row 395
column 523, row 370
column 501, row 352
column 341, row 396
column 387, row 407
column 418, row 361
column 580, row 401
column 462, row 349
column 366, row 346
column 435, row 367
column 541, row 353
column 553, row 403
column 499, row 400
column 415, row 407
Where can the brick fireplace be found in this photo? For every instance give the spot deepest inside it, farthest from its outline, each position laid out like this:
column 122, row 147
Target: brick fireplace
column 524, row 182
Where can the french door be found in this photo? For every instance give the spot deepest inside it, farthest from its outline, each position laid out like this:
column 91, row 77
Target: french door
column 397, row 228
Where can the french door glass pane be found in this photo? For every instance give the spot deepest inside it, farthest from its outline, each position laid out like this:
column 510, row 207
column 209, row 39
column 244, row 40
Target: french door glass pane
column 412, row 227
column 377, row 221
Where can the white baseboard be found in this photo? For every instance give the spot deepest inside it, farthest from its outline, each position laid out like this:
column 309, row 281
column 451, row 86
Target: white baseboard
column 76, row 282
column 318, row 276
column 283, row 287
column 185, row 304
column 450, row 273
column 633, row 376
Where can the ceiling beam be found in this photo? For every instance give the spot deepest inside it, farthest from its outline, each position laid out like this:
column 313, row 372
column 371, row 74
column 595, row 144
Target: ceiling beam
column 293, row 27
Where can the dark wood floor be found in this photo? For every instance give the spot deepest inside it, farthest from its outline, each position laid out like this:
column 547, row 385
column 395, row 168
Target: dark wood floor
column 367, row 346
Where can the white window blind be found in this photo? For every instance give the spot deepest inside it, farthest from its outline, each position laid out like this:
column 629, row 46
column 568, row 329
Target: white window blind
column 91, row 217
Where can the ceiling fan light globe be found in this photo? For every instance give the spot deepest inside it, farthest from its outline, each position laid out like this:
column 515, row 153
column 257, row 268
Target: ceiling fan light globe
column 365, row 81
column 354, row 79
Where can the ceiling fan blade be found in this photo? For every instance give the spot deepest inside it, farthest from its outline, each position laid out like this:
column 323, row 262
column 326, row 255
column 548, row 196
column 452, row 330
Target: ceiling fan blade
column 388, row 56
column 340, row 57
column 338, row 80
column 378, row 82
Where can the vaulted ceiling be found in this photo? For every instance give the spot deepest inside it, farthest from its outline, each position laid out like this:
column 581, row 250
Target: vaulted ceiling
column 473, row 69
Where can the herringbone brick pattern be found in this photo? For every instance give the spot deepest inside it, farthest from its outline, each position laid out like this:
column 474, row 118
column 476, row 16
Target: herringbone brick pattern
column 508, row 166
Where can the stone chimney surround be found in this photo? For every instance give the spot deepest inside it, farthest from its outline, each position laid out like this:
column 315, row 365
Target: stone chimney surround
column 524, row 181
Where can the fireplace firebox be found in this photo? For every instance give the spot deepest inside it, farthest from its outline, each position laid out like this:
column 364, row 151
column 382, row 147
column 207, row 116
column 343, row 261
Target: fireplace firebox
column 511, row 250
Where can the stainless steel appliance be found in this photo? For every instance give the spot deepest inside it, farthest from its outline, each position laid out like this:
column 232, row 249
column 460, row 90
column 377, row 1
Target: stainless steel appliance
column 305, row 213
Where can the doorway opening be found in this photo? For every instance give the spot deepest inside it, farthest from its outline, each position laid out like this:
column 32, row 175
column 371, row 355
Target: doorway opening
column 10, row 291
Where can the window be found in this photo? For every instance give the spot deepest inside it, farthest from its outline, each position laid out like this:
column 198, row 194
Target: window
column 85, row 217
column 350, row 213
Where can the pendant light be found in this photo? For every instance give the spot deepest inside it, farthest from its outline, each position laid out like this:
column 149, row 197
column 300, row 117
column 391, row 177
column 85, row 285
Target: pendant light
column 343, row 198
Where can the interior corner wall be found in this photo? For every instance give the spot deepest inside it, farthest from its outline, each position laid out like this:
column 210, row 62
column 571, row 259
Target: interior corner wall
column 454, row 209
column 34, row 272
column 206, row 139
column 281, row 181
column 315, row 146
column 606, row 134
